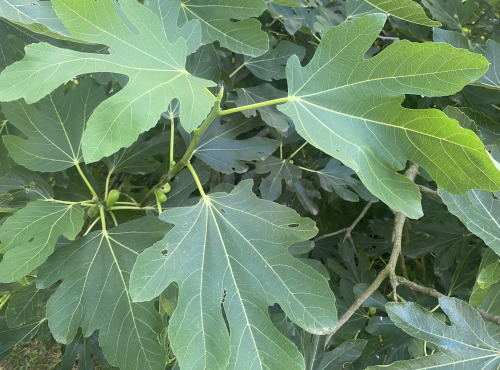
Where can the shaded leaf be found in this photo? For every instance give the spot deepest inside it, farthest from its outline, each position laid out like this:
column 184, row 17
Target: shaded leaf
column 94, row 294
column 154, row 65
column 479, row 211
column 54, row 127
column 26, row 306
column 271, row 65
column 350, row 107
column 204, row 63
column 84, row 349
column 492, row 77
column 9, row 337
column 137, row 157
column 453, row 13
column 31, row 234
column 220, row 149
column 465, row 344
column 215, row 16
column 453, row 38
column 269, row 114
column 337, row 177
column 281, row 170
column 231, row 250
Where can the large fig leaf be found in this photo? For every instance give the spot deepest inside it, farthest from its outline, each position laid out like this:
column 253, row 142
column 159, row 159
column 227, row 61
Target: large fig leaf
column 138, row 48
column 94, row 294
column 350, row 107
column 229, row 256
column 465, row 344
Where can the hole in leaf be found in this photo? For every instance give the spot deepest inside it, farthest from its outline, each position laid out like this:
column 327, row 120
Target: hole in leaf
column 293, row 225
column 164, row 252
column 223, row 210
column 224, row 296
column 31, row 239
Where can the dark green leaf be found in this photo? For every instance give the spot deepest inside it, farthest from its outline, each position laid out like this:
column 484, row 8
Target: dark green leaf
column 219, row 254
column 220, row 149
column 94, row 294
column 281, row 170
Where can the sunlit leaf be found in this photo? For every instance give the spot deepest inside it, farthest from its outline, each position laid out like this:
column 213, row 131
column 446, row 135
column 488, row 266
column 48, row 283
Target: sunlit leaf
column 350, row 107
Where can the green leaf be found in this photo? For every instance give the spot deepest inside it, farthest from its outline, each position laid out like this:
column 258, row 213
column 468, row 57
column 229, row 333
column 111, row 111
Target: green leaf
column 137, row 157
column 271, row 65
column 53, row 126
column 479, row 211
column 269, row 114
column 358, row 8
column 84, row 349
column 216, row 19
column 492, row 76
column 154, row 65
column 453, row 38
column 31, row 234
column 347, row 352
column 9, row 337
column 219, row 148
column 204, row 63
column 453, row 13
column 21, row 186
column 350, row 107
column 337, row 177
column 407, row 10
column 229, row 256
column 35, row 15
column 94, row 294
column 316, row 358
column 281, row 170
column 465, row 344
column 489, row 275
column 25, row 306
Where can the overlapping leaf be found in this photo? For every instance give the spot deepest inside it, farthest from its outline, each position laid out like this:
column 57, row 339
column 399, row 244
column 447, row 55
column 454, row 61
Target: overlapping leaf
column 407, row 10
column 94, row 294
column 139, row 48
column 217, row 23
column 31, row 234
column 269, row 114
column 137, row 158
column 480, row 212
column 350, row 107
column 228, row 254
column 336, row 177
column 38, row 16
column 492, row 76
column 453, row 13
column 280, row 170
column 26, row 306
column 220, row 150
column 271, row 65
column 54, row 127
column 465, row 344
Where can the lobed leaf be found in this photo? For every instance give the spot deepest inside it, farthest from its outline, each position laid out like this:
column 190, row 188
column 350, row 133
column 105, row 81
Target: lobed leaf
column 465, row 344
column 228, row 254
column 139, row 48
column 94, row 294
column 350, row 107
